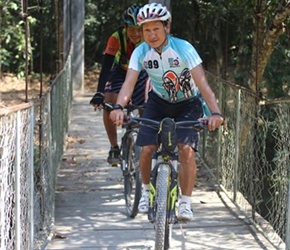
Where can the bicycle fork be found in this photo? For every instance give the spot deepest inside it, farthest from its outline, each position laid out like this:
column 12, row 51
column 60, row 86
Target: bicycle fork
column 172, row 189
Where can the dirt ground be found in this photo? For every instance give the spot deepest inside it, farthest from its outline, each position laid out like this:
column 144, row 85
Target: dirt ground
column 13, row 90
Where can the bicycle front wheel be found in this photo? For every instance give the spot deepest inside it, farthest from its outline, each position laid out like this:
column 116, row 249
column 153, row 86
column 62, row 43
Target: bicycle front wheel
column 132, row 178
column 162, row 229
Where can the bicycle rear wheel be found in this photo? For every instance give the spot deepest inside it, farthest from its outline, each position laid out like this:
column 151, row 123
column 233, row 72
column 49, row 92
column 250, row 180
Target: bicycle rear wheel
column 162, row 229
column 132, row 178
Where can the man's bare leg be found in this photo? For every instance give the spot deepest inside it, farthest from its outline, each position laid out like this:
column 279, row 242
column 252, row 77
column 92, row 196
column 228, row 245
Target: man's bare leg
column 145, row 169
column 187, row 177
column 187, row 172
column 111, row 130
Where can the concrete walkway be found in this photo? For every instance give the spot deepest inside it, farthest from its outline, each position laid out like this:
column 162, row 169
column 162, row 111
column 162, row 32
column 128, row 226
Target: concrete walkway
column 90, row 209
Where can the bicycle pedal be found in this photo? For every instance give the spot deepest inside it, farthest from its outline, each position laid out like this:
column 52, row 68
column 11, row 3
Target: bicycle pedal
column 114, row 165
column 183, row 221
column 182, row 232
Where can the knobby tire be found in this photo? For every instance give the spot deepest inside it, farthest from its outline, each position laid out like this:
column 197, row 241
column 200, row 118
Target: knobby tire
column 162, row 229
column 132, row 178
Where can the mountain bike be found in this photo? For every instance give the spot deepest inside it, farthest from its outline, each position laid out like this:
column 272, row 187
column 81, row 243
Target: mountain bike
column 164, row 190
column 129, row 159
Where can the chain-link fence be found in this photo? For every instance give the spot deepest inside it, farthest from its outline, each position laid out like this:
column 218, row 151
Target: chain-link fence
column 250, row 158
column 32, row 140
column 16, row 173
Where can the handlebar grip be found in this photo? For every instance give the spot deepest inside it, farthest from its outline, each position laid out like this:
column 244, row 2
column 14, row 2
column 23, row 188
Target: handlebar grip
column 204, row 124
column 108, row 106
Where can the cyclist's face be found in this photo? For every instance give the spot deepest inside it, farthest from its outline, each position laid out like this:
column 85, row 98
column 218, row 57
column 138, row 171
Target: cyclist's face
column 154, row 33
column 134, row 34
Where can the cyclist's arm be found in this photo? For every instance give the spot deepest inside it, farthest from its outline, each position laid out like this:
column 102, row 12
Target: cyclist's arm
column 112, row 47
column 199, row 78
column 128, row 87
column 208, row 95
column 124, row 96
column 105, row 71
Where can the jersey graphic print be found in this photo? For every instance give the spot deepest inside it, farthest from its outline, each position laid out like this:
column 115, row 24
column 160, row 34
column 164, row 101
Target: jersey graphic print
column 169, row 71
column 172, row 84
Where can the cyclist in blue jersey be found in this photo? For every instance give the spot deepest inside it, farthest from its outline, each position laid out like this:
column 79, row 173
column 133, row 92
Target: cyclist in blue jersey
column 177, row 78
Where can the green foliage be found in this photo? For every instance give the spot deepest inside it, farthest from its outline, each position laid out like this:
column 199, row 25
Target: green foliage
column 215, row 25
column 12, row 38
column 13, row 48
column 44, row 35
column 222, row 31
column 277, row 73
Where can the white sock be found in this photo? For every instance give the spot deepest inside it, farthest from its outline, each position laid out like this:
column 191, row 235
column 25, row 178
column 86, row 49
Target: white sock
column 145, row 187
column 185, row 199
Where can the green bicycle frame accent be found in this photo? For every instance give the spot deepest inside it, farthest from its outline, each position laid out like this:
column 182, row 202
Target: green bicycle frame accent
column 172, row 188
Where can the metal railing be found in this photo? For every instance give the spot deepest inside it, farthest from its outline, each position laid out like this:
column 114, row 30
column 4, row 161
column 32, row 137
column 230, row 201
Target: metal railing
column 250, row 158
column 32, row 140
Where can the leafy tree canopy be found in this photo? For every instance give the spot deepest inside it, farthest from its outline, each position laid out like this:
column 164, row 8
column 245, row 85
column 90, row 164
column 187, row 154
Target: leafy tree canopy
column 246, row 41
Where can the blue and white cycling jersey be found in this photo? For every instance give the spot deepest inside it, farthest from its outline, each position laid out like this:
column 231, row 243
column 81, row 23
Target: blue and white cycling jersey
column 170, row 71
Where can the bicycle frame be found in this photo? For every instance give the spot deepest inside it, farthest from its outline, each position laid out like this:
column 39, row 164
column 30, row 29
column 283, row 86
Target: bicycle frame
column 171, row 163
column 163, row 190
column 129, row 160
column 163, row 196
column 130, row 154
column 128, row 130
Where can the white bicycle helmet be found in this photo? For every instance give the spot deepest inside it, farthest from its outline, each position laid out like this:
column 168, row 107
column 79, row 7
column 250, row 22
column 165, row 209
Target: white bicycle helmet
column 153, row 12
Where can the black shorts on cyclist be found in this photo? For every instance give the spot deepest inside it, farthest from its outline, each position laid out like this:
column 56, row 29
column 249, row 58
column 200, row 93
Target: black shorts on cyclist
column 157, row 109
column 116, row 80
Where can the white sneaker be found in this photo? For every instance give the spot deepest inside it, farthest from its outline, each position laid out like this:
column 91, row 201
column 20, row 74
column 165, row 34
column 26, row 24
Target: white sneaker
column 184, row 212
column 144, row 202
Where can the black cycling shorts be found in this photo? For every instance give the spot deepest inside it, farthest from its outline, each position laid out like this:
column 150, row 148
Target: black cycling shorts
column 117, row 78
column 157, row 109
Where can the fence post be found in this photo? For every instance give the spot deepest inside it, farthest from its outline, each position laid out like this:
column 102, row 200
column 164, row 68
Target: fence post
column 78, row 12
column 237, row 145
column 17, row 182
column 220, row 98
column 287, row 239
column 51, row 140
column 31, row 176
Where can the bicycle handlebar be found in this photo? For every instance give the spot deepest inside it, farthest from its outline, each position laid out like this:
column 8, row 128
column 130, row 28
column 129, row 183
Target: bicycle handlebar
column 196, row 125
column 129, row 107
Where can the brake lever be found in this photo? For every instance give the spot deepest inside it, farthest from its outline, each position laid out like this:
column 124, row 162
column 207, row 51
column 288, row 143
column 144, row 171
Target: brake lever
column 201, row 125
column 131, row 123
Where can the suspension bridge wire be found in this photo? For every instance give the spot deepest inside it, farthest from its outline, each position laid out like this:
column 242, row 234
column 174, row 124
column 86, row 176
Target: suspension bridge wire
column 24, row 13
column 258, row 18
column 40, row 3
column 225, row 70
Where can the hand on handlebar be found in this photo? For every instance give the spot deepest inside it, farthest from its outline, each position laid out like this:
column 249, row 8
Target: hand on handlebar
column 117, row 117
column 214, row 121
column 97, row 100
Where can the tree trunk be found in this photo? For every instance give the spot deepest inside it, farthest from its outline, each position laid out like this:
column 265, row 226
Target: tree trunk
column 267, row 40
column 218, row 46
